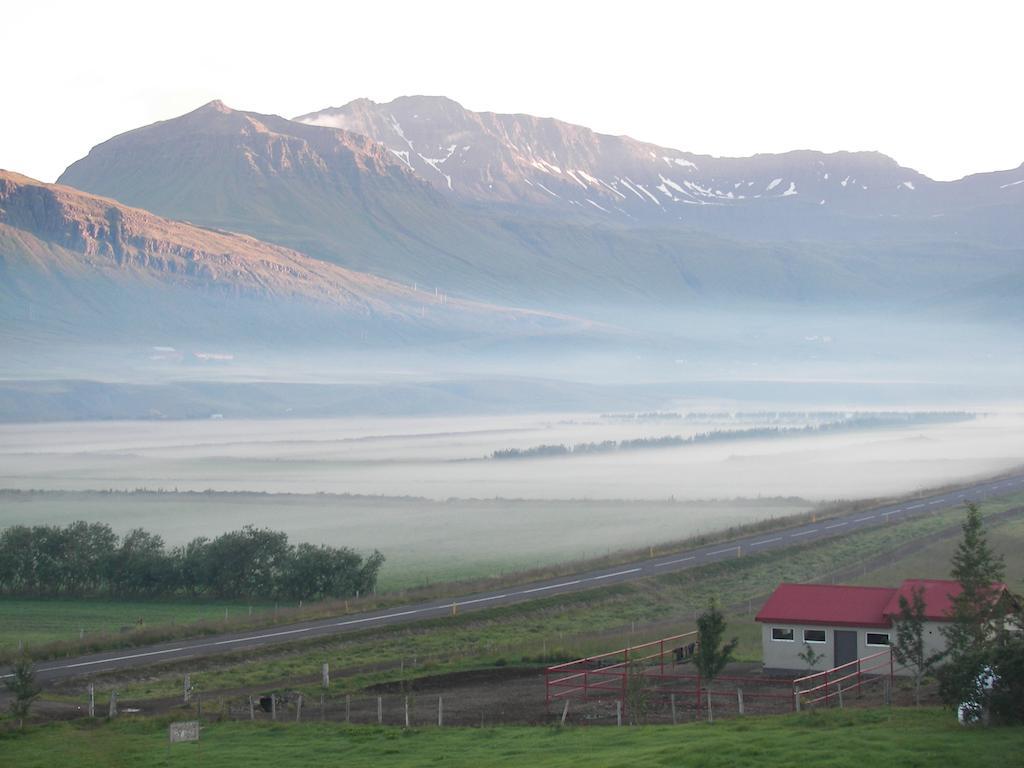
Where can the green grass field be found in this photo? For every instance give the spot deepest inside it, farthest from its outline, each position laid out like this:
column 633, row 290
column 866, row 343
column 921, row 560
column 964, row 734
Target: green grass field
column 838, row 739
column 36, row 622
column 1006, row 539
column 43, row 621
column 569, row 626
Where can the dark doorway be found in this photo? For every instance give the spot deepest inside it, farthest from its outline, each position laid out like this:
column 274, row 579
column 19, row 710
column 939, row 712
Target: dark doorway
column 845, row 646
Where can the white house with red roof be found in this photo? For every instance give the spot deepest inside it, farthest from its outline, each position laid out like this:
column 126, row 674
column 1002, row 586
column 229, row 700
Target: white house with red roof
column 844, row 623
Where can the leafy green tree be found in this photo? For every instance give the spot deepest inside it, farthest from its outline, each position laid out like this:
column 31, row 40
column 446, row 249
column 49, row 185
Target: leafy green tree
column 909, row 647
column 140, row 567
column 320, row 572
column 1007, row 697
column 976, row 567
column 713, row 654
column 23, row 688
column 89, row 559
column 976, row 627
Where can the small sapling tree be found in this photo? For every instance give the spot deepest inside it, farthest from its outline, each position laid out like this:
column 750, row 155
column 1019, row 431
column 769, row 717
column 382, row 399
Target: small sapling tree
column 637, row 694
column 712, row 652
column 909, row 649
column 23, row 688
column 810, row 657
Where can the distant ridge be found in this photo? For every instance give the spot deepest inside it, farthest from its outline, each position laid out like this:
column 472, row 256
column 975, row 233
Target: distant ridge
column 78, row 261
column 516, row 158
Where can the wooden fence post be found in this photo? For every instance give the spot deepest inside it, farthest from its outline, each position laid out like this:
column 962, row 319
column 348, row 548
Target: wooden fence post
column 273, row 706
column 406, row 711
column 739, row 699
column 92, row 700
column 112, row 710
column 348, row 708
column 711, row 717
column 618, row 713
column 186, row 687
column 380, row 710
column 565, row 712
column 325, row 676
column 252, row 709
column 323, row 716
column 298, row 709
column 440, row 712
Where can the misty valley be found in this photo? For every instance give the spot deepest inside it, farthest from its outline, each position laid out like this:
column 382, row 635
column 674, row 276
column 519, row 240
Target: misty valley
column 406, row 431
column 431, row 495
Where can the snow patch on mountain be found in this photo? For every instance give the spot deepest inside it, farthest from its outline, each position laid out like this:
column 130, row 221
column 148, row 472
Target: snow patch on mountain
column 403, row 155
column 435, row 163
column 575, row 178
column 669, row 182
column 631, row 188
column 774, row 183
column 397, row 128
column 325, row 121
column 641, row 187
column 679, row 161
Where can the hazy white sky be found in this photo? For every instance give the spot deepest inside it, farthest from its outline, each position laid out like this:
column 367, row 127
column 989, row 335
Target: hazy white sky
column 936, row 85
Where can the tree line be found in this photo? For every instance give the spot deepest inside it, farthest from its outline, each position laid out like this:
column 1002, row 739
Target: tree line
column 858, row 421
column 90, row 560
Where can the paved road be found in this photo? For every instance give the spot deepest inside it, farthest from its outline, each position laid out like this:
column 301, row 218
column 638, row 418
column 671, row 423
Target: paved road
column 233, row 642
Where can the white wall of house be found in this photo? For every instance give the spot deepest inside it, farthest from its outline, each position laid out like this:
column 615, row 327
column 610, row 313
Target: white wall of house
column 782, row 654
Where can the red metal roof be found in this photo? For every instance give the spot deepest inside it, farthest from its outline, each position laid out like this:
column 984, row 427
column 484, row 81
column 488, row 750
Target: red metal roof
column 828, row 604
column 938, row 597
column 848, row 606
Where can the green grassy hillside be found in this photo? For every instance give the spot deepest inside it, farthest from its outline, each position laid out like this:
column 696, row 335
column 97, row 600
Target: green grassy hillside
column 838, row 739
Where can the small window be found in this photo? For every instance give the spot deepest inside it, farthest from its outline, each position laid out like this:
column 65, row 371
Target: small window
column 876, row 638
column 782, row 633
column 814, row 635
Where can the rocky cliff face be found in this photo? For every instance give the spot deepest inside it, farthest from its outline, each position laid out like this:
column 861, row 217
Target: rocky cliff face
column 53, row 236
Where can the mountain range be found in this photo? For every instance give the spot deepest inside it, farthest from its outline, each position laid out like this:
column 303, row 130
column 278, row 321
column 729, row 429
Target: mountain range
column 537, row 212
column 544, row 163
column 421, row 220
